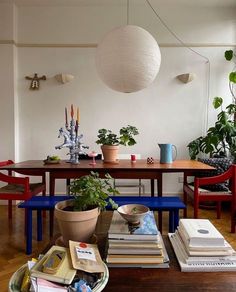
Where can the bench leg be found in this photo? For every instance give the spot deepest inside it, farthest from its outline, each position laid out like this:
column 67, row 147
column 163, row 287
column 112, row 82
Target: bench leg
column 29, row 232
column 39, row 225
column 176, row 219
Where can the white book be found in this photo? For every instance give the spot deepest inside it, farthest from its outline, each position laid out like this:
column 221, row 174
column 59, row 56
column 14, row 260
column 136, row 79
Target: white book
column 201, row 232
column 217, row 266
column 203, row 258
column 205, row 250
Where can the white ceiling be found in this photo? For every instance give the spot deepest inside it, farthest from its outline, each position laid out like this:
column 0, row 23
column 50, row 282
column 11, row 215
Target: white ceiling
column 193, row 3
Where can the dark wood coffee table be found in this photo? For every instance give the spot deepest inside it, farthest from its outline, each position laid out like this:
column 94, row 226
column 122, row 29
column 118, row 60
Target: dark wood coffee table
column 172, row 279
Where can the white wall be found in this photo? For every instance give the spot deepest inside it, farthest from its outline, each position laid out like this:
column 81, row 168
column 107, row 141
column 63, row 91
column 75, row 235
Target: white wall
column 7, row 75
column 167, row 111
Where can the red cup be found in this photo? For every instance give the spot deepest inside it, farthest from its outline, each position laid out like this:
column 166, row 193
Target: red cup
column 133, row 157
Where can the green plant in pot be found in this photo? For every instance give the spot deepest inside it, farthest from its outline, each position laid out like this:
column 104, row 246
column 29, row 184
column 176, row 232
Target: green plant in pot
column 220, row 139
column 110, row 141
column 77, row 217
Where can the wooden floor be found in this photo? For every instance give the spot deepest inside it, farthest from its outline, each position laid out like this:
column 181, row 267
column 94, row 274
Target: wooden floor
column 12, row 240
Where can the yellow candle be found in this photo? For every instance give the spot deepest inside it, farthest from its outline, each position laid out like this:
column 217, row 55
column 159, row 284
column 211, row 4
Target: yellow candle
column 78, row 114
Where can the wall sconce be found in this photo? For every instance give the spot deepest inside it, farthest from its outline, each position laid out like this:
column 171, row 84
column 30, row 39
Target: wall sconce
column 64, row 78
column 187, row 77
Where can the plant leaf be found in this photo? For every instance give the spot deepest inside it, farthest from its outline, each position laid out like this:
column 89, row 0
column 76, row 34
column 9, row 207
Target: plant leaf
column 229, row 55
column 217, row 102
column 232, row 77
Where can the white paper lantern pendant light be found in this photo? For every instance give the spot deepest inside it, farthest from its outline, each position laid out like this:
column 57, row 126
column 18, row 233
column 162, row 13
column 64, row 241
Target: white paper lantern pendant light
column 128, row 59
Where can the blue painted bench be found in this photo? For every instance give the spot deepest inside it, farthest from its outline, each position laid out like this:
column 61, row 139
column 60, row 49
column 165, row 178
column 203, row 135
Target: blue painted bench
column 40, row 203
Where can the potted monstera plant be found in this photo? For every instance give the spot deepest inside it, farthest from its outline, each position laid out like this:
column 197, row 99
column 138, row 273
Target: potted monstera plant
column 110, row 141
column 77, row 217
column 220, row 139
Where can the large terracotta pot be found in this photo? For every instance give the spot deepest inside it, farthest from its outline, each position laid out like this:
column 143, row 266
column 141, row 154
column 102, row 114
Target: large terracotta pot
column 110, row 153
column 75, row 225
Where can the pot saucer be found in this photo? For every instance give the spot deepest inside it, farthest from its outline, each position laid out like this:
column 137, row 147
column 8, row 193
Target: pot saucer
column 59, row 241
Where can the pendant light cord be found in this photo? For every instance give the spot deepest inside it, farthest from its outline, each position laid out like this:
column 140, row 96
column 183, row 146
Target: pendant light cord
column 195, row 52
column 127, row 12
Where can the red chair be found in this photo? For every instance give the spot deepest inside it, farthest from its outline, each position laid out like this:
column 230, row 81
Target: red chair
column 199, row 194
column 19, row 188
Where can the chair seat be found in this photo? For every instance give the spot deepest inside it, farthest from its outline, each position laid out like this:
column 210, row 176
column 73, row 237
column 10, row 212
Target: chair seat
column 19, row 189
column 202, row 190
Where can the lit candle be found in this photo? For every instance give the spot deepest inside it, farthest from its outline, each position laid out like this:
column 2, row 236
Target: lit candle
column 78, row 115
column 66, row 116
column 72, row 111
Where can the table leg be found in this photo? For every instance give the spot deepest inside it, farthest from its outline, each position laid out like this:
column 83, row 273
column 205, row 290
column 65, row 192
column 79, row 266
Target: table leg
column 29, row 232
column 51, row 185
column 39, row 225
column 159, row 185
column 152, row 188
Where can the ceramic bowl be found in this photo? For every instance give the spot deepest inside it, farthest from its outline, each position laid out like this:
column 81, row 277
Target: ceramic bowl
column 133, row 213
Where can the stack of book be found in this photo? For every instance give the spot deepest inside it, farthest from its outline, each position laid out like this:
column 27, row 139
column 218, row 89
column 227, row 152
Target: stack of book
column 199, row 246
column 135, row 246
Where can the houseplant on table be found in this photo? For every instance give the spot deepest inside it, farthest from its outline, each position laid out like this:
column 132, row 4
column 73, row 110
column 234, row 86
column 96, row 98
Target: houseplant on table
column 110, row 142
column 77, row 217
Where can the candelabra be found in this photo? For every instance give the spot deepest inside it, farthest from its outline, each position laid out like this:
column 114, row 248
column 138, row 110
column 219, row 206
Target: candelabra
column 71, row 138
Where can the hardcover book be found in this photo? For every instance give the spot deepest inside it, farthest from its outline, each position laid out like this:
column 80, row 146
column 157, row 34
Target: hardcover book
column 216, row 266
column 135, row 251
column 139, row 259
column 225, row 249
column 65, row 273
column 204, row 255
column 200, row 232
column 120, row 229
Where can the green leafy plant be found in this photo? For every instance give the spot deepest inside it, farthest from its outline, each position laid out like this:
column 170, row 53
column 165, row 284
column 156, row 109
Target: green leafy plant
column 107, row 137
column 91, row 191
column 221, row 138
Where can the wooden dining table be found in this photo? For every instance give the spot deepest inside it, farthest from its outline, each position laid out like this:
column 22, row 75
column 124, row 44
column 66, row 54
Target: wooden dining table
column 123, row 169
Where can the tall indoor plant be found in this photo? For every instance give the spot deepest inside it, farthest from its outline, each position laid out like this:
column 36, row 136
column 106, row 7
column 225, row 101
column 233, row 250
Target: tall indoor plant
column 77, row 217
column 220, row 139
column 110, row 141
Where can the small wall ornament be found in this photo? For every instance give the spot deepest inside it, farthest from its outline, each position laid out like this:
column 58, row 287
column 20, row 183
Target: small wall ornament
column 34, row 85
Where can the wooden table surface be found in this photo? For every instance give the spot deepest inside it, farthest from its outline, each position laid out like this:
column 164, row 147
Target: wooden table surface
column 175, row 166
column 172, row 279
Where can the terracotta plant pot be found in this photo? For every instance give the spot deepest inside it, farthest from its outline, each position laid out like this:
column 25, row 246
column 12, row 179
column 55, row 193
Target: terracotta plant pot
column 110, row 153
column 76, row 225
